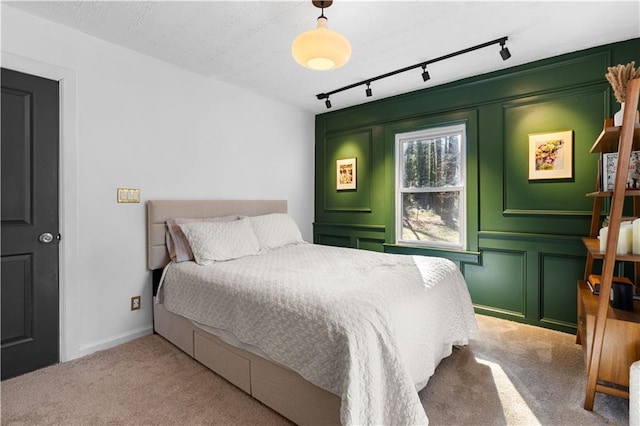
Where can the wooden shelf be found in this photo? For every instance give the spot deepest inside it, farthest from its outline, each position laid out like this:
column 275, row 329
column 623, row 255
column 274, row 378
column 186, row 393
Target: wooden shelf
column 593, row 246
column 605, row 194
column 591, row 300
column 610, row 137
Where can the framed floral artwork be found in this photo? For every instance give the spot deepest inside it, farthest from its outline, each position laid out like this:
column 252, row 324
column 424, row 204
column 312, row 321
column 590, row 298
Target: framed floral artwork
column 346, row 173
column 551, row 155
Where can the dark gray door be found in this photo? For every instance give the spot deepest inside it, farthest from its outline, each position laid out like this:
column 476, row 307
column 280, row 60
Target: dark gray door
column 29, row 231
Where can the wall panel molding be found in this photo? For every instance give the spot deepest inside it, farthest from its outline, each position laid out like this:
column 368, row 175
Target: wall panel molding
column 558, row 275
column 500, row 281
column 377, row 228
column 577, row 109
column 374, row 244
column 358, row 144
column 530, row 237
column 333, row 240
column 516, row 212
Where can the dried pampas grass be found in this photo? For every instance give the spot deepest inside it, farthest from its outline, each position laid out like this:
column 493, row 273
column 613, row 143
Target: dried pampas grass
column 619, row 76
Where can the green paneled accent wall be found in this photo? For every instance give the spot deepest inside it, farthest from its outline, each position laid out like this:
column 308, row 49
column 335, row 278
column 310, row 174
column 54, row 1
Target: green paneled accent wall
column 350, row 235
column 349, row 145
column 499, row 282
column 334, row 240
column 579, row 111
column 523, row 250
column 552, row 265
column 554, row 269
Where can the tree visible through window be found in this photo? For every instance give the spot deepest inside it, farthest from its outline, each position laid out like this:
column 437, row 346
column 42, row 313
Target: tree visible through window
column 430, row 187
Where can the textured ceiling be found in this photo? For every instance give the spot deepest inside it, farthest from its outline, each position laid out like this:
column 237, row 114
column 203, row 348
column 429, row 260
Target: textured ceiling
column 248, row 43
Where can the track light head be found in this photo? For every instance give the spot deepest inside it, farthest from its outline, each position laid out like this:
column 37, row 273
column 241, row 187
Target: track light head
column 368, row 91
column 425, row 73
column 504, row 51
column 327, row 103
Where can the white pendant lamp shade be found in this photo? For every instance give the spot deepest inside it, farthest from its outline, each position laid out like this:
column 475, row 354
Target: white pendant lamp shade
column 321, row 49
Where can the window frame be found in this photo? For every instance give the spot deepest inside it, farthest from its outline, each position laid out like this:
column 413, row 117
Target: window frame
column 430, row 133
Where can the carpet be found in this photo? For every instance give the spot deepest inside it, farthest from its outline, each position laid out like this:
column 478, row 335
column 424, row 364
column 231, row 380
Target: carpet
column 510, row 374
column 516, row 374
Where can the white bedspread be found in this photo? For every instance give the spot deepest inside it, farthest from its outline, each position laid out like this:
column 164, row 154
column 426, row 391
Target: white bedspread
column 367, row 326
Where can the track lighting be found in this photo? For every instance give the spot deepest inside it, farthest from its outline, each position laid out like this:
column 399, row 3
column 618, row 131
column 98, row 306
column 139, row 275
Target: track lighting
column 425, row 73
column 321, row 49
column 504, row 52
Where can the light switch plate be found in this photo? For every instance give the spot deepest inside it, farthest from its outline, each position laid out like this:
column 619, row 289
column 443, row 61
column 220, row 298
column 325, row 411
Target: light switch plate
column 128, row 195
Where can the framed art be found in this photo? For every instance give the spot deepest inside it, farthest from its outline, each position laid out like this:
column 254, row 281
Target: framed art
column 609, row 165
column 551, row 155
column 346, row 174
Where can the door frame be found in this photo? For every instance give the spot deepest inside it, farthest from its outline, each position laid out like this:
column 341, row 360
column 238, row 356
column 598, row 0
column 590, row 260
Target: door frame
column 68, row 195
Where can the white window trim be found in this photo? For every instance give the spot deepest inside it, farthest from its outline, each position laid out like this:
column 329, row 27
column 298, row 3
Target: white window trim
column 462, row 201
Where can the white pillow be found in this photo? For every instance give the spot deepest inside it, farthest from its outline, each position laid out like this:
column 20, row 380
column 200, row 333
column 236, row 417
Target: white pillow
column 275, row 230
column 177, row 244
column 219, row 241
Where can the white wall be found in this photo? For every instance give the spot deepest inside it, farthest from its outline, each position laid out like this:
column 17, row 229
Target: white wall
column 133, row 121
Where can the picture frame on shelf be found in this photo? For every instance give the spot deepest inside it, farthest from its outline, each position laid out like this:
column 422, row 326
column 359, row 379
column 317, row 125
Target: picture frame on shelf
column 609, row 165
column 551, row 155
column 346, row 174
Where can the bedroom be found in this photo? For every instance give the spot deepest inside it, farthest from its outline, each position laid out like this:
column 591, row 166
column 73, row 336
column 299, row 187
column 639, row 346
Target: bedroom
column 125, row 117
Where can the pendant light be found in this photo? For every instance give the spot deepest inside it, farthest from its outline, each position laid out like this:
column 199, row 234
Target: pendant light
column 321, row 49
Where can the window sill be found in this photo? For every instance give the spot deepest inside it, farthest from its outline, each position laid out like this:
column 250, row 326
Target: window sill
column 454, row 255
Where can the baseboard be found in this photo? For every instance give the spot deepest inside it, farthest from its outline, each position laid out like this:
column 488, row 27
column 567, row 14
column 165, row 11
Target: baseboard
column 112, row 341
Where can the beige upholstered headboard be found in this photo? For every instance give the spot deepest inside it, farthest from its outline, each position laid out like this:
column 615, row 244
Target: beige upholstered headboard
column 158, row 211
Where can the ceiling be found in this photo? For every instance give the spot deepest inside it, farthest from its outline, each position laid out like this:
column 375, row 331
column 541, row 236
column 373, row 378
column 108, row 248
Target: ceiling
column 248, row 44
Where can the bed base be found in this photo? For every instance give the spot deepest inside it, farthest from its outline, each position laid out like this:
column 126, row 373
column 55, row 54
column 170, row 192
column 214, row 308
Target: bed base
column 276, row 386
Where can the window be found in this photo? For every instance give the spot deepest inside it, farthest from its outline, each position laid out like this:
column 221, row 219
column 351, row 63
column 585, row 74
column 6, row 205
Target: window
column 430, row 187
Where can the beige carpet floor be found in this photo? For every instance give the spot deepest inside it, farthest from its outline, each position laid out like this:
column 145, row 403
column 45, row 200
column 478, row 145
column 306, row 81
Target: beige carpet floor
column 510, row 374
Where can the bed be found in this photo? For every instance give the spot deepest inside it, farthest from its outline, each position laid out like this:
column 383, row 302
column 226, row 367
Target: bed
column 323, row 335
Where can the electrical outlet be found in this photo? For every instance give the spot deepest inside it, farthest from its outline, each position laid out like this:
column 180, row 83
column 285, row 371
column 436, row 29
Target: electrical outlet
column 135, row 303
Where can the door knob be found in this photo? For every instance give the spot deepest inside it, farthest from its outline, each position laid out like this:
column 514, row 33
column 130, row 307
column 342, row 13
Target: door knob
column 45, row 237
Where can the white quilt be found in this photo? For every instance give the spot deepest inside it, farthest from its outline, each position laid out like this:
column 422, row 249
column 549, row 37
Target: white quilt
column 369, row 327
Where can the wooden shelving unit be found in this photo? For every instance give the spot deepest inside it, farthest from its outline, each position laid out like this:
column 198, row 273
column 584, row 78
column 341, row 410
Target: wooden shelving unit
column 610, row 338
